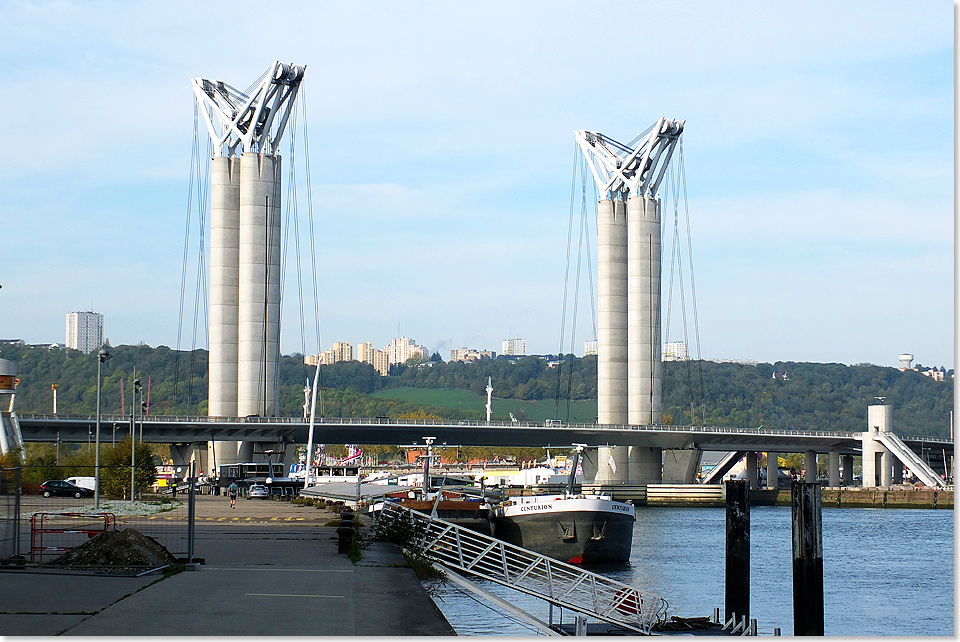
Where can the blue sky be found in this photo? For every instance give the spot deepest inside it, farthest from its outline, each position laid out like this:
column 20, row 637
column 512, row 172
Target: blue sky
column 818, row 154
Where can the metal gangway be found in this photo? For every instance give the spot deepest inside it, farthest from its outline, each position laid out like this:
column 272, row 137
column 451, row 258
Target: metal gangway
column 903, row 452
column 556, row 582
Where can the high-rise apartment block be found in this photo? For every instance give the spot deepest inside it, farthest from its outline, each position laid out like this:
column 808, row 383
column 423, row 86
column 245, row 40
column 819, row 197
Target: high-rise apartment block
column 366, row 353
column 516, row 347
column 675, row 351
column 341, row 351
column 402, row 349
column 590, row 347
column 84, row 331
column 397, row 352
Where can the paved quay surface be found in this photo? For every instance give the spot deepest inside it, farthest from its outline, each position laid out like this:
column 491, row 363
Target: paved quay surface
column 272, row 569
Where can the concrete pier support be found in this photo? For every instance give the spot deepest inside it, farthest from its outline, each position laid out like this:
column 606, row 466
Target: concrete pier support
column 611, row 463
column 751, row 470
column 645, row 384
column 643, row 311
column 846, row 478
column 612, row 312
column 259, row 291
column 224, row 285
column 833, row 468
column 810, row 465
column 773, row 470
column 224, row 301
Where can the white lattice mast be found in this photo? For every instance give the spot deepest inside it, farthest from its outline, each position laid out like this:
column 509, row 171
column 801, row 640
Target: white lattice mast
column 245, row 128
column 629, row 384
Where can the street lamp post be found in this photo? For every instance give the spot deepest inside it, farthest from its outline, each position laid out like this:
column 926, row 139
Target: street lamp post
column 102, row 357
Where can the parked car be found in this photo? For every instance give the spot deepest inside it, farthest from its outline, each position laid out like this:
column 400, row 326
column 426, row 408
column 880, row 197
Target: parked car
column 61, row 488
column 256, row 490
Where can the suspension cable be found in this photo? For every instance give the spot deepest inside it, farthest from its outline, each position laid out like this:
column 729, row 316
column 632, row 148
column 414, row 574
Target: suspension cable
column 194, row 152
column 566, row 275
column 313, row 251
column 693, row 286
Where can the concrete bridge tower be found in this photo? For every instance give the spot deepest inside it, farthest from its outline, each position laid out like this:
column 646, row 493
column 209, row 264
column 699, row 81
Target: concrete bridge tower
column 245, row 128
column 629, row 378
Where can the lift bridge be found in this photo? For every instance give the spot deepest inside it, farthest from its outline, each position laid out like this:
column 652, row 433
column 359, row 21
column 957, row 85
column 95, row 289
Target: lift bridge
column 458, row 548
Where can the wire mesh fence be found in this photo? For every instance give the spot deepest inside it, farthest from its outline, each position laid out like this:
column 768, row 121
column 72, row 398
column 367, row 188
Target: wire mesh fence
column 46, row 510
column 9, row 513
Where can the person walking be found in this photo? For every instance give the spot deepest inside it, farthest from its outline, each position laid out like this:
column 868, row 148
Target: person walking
column 173, row 486
column 232, row 489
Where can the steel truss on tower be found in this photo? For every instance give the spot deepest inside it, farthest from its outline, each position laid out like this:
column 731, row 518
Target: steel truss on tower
column 245, row 119
column 620, row 170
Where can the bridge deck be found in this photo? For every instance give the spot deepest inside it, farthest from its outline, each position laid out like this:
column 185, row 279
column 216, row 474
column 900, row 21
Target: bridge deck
column 173, row 429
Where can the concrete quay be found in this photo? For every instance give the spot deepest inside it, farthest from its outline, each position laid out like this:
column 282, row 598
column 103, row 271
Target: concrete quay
column 272, row 569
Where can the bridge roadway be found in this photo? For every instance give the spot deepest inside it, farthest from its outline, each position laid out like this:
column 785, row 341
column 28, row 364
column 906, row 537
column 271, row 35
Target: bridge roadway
column 171, row 429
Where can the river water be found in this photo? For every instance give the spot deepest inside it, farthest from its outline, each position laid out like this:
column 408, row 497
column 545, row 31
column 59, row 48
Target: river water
column 886, row 572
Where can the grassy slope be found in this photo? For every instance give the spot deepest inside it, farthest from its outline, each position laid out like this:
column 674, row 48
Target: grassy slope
column 584, row 411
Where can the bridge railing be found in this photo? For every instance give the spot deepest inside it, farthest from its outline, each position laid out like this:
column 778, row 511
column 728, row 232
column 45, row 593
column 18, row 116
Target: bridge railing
column 366, row 421
column 434, row 422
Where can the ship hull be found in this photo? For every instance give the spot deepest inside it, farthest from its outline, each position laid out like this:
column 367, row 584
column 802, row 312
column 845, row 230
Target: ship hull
column 579, row 531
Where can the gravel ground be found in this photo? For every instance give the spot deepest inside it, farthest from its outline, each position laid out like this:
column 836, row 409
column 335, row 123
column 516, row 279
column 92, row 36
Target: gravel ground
column 119, row 507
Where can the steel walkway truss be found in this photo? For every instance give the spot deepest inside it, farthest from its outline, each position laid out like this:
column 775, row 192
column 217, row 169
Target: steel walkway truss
column 558, row 583
column 903, row 452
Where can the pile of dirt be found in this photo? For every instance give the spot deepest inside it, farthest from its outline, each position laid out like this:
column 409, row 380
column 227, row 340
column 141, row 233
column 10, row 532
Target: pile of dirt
column 127, row 547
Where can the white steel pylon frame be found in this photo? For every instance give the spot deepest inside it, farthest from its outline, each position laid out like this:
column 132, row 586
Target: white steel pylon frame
column 245, row 128
column 235, row 118
column 618, row 169
column 629, row 375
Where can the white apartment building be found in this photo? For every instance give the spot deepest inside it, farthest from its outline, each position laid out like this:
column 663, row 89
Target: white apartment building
column 590, row 347
column 516, row 347
column 675, row 351
column 84, row 331
column 469, row 354
column 402, row 349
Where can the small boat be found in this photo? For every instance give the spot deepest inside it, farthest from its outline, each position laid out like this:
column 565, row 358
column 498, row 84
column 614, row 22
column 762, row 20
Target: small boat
column 580, row 529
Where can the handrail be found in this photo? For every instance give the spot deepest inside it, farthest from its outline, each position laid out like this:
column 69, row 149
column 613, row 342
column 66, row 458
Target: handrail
column 523, row 570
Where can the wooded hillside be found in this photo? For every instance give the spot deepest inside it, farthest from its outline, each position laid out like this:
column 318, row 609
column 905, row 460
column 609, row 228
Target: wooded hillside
column 784, row 395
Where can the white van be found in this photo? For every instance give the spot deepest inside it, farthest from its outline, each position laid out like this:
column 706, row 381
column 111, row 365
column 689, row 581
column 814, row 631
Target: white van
column 83, row 482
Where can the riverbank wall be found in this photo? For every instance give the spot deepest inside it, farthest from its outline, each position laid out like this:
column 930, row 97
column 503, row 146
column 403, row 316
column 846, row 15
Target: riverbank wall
column 711, row 496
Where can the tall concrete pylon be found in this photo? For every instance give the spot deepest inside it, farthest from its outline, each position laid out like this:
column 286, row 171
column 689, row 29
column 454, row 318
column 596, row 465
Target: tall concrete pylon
column 245, row 129
column 629, row 370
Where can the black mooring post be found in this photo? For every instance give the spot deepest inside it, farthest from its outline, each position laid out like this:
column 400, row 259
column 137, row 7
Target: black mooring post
column 807, row 559
column 737, row 587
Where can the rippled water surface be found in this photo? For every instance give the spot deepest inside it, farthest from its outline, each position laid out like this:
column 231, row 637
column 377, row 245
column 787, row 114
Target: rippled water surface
column 886, row 572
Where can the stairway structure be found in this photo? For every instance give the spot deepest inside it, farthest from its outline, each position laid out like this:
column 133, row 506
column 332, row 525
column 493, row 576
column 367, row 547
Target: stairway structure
column 558, row 583
column 909, row 458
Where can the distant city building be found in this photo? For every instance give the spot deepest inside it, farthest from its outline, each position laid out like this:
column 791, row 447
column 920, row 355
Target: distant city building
column 84, row 331
column 906, row 363
column 469, row 354
column 341, row 351
column 366, row 353
column 402, row 349
column 590, row 347
column 516, row 347
column 742, row 362
column 311, row 359
column 674, row 351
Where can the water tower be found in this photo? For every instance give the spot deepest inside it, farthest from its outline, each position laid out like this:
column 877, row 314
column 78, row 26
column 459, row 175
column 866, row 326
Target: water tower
column 905, row 360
